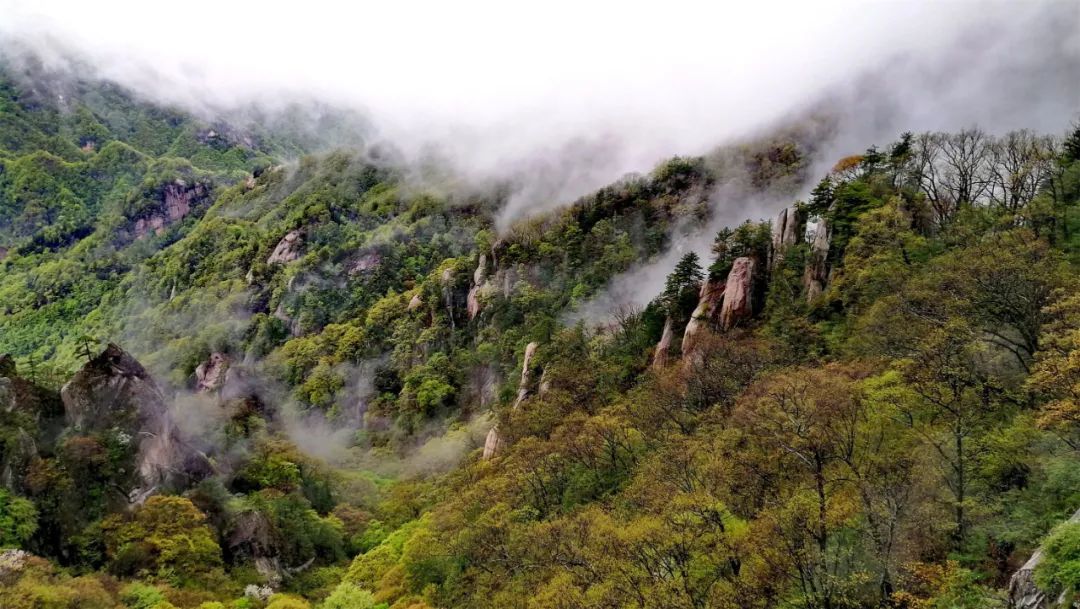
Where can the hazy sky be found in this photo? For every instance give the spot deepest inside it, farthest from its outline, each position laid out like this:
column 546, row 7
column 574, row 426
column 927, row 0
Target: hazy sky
column 521, row 86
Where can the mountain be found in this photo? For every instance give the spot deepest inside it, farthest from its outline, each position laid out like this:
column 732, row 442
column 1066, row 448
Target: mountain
column 248, row 370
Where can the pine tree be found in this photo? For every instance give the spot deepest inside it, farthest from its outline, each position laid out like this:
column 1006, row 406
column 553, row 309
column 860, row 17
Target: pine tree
column 682, row 285
column 1071, row 145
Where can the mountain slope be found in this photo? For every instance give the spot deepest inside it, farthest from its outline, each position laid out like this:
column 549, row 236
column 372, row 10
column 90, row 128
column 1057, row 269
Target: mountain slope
column 365, row 394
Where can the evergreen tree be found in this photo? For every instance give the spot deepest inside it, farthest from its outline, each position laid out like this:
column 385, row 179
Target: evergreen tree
column 682, row 286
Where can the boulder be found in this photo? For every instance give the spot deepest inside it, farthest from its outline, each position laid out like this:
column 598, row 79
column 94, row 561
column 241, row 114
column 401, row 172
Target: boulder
column 661, row 354
column 709, row 301
column 415, row 302
column 738, row 293
column 817, row 271
column 210, row 375
column 492, row 443
column 288, row 249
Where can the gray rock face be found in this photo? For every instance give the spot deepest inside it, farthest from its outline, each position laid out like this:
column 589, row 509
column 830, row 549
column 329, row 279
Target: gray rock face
column 786, row 232
column 288, row 249
column 663, row 348
column 177, row 199
column 366, row 263
column 210, row 375
column 479, row 284
column 738, row 294
column 708, row 308
column 817, row 271
column 493, row 442
column 525, row 382
column 1024, row 593
column 415, row 302
column 114, row 393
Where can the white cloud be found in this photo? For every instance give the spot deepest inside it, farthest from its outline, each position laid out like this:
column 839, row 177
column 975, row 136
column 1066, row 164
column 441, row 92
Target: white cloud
column 497, row 85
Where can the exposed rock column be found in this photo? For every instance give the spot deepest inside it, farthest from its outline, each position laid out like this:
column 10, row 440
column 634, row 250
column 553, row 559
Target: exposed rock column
column 493, row 442
column 706, row 312
column 526, row 375
column 786, row 232
column 661, row 354
column 738, row 293
column 817, row 272
column 479, row 279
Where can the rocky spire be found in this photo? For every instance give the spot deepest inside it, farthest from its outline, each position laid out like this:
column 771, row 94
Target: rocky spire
column 786, row 232
column 817, row 272
column 738, row 293
column 493, row 441
column 526, row 374
column 708, row 308
column 663, row 348
column 479, row 282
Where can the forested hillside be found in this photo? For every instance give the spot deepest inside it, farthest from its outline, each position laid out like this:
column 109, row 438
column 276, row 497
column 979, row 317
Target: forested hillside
column 246, row 371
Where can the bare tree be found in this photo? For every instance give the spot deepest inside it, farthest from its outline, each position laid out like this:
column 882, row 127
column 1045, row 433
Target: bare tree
column 1021, row 164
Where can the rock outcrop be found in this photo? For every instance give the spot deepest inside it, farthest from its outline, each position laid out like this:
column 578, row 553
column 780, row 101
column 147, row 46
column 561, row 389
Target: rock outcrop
column 662, row 353
column 1024, row 593
column 478, row 285
column 415, row 302
column 288, row 249
column 525, row 382
column 504, row 281
column 210, row 375
column 366, row 263
column 738, row 294
column 706, row 313
column 786, row 232
column 817, row 270
column 493, row 442
column 30, row 416
column 177, row 199
column 113, row 393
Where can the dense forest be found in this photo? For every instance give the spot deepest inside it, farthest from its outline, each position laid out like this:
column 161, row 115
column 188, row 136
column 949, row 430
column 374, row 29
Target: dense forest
column 247, row 372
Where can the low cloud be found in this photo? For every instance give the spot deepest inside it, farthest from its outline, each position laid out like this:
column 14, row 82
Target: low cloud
column 557, row 98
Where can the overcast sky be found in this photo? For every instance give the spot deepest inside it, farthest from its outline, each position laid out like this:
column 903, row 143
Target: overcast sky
column 499, row 83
